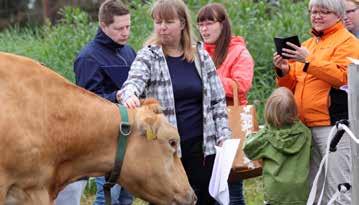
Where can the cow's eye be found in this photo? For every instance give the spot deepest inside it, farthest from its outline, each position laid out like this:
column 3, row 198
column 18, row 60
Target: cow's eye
column 173, row 143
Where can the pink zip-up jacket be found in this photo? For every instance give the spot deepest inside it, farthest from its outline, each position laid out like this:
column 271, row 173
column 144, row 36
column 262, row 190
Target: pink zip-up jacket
column 237, row 66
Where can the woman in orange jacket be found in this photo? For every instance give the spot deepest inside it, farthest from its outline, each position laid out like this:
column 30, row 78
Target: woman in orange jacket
column 233, row 62
column 314, row 72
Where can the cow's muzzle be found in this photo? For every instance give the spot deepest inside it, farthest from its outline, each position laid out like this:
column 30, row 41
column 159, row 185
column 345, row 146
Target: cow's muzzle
column 190, row 198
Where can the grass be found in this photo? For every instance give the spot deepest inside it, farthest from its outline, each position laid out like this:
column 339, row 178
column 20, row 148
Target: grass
column 88, row 200
column 253, row 191
column 253, row 194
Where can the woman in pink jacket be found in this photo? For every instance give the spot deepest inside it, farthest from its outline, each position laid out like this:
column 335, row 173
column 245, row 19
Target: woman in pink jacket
column 233, row 62
column 229, row 53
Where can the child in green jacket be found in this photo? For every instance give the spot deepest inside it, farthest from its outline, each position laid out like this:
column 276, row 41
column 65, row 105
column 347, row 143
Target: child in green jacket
column 284, row 146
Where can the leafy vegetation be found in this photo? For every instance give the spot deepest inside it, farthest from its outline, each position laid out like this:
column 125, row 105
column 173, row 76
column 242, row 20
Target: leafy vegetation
column 257, row 21
column 54, row 45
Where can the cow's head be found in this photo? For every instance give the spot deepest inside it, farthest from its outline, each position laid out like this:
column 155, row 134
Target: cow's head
column 152, row 168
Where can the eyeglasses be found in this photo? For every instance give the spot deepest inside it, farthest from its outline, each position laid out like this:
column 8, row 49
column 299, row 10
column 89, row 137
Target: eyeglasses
column 320, row 12
column 349, row 11
column 206, row 24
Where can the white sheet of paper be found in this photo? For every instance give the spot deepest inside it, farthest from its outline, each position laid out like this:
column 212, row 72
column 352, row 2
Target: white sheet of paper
column 218, row 185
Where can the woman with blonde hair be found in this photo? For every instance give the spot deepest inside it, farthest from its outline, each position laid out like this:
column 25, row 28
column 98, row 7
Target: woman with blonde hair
column 284, row 146
column 182, row 76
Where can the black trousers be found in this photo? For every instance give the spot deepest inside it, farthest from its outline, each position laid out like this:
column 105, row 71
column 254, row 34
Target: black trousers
column 198, row 169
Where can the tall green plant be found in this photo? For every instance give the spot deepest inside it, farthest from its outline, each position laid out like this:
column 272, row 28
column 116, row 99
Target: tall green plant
column 61, row 42
column 53, row 45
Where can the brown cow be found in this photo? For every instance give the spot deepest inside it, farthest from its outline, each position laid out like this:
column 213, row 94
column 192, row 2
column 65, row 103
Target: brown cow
column 53, row 132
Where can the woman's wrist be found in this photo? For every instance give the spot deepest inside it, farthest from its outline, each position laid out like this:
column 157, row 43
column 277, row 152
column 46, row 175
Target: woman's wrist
column 282, row 71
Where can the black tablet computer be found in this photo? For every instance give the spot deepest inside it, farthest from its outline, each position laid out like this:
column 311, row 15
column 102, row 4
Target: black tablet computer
column 281, row 43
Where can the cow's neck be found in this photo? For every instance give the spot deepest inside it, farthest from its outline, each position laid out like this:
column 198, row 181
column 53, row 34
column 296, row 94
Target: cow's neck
column 91, row 138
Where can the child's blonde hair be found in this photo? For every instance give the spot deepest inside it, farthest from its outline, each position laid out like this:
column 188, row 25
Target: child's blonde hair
column 280, row 109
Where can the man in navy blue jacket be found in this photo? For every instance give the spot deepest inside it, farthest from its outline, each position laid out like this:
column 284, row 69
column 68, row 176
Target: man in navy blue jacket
column 102, row 67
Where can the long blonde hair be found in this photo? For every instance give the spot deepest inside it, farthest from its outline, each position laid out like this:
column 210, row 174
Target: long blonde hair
column 168, row 10
column 280, row 109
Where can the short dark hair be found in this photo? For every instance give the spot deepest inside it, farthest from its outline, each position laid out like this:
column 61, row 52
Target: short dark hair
column 217, row 12
column 111, row 8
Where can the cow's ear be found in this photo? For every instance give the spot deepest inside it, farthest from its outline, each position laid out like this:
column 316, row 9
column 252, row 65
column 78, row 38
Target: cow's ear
column 149, row 101
column 148, row 127
column 156, row 108
column 153, row 105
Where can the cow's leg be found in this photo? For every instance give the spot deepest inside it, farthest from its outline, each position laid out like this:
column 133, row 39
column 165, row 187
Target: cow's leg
column 44, row 197
column 16, row 196
column 40, row 197
column 3, row 189
column 3, row 192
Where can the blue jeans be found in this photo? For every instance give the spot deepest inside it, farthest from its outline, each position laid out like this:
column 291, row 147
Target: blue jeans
column 119, row 196
column 236, row 193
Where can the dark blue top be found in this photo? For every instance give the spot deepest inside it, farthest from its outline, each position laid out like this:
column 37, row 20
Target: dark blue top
column 187, row 89
column 102, row 66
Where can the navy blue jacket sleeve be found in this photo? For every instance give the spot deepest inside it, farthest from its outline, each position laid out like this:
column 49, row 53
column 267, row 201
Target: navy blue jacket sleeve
column 88, row 75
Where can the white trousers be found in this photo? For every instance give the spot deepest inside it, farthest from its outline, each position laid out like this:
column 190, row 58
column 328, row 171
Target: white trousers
column 339, row 165
column 71, row 194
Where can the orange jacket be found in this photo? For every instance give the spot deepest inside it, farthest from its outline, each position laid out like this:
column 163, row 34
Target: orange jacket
column 237, row 66
column 326, row 72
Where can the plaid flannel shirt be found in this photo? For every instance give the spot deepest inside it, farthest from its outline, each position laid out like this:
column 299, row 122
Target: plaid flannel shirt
column 149, row 75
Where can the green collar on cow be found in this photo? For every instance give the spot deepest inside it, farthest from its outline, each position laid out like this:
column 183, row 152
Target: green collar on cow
column 125, row 130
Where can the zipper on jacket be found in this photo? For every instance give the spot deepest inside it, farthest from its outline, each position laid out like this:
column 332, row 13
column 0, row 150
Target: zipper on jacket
column 301, row 98
column 121, row 57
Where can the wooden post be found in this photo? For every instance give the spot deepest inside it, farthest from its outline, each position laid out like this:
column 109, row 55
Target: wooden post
column 353, row 101
column 45, row 9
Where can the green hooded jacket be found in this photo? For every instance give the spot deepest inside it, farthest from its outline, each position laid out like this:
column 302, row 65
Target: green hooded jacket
column 286, row 154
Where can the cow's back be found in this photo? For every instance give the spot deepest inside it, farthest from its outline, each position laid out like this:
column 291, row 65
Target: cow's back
column 35, row 116
column 21, row 121
column 21, row 111
column 43, row 116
